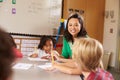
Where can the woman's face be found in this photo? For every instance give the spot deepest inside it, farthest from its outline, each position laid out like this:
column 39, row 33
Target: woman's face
column 48, row 46
column 74, row 27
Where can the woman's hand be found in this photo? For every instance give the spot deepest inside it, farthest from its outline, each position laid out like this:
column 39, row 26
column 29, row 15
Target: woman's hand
column 52, row 68
column 58, row 57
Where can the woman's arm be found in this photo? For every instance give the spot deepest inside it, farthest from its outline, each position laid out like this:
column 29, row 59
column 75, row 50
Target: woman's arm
column 67, row 69
column 68, row 62
column 62, row 59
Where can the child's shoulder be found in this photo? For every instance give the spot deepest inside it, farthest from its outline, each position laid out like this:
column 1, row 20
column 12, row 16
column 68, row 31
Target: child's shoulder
column 105, row 75
column 100, row 74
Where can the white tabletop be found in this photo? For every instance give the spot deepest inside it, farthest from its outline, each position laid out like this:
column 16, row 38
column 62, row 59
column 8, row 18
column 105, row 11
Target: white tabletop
column 36, row 73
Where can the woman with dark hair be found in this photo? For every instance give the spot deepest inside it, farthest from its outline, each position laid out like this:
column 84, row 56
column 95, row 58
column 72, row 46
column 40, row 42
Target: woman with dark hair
column 74, row 29
column 7, row 56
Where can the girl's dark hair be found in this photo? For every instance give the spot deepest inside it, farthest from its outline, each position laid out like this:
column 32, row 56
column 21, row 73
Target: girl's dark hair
column 6, row 55
column 12, row 41
column 82, row 32
column 44, row 39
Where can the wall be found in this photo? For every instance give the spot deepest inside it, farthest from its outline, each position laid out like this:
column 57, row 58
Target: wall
column 95, row 18
column 111, row 29
column 93, row 15
column 74, row 4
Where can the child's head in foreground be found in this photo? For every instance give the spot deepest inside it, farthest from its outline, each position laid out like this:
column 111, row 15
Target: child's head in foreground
column 87, row 52
column 6, row 56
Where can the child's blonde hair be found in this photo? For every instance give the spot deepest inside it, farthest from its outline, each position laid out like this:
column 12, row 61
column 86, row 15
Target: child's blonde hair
column 87, row 52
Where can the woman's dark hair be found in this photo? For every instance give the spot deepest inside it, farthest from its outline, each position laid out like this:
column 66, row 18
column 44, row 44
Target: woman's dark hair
column 44, row 39
column 82, row 32
column 6, row 55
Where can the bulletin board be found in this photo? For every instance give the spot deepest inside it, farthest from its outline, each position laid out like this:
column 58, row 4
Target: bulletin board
column 39, row 17
column 27, row 45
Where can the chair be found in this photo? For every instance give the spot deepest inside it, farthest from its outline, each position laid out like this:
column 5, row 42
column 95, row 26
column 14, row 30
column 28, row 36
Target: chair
column 105, row 59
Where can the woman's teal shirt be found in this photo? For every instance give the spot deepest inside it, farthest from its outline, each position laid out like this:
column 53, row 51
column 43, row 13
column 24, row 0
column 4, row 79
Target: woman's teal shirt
column 66, row 50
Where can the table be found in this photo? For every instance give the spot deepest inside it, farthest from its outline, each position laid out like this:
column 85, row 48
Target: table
column 36, row 73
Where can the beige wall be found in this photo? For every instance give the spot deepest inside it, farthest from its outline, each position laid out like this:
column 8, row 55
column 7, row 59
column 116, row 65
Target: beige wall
column 110, row 39
column 93, row 15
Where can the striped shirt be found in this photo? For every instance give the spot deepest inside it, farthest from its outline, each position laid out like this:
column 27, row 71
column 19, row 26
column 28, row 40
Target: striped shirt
column 100, row 74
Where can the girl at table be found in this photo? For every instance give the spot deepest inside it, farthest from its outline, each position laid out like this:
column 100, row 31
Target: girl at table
column 45, row 47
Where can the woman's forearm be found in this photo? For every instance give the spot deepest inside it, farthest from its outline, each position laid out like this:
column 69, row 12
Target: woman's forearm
column 68, row 70
column 68, row 63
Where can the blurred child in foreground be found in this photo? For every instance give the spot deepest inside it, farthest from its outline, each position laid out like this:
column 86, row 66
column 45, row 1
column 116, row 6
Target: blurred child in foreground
column 7, row 56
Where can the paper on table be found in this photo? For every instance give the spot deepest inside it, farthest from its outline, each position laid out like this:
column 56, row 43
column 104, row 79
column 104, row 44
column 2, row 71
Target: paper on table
column 24, row 66
column 36, row 59
column 45, row 66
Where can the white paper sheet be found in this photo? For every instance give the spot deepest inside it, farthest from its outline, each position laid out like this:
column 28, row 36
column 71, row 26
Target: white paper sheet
column 24, row 66
column 36, row 59
column 45, row 66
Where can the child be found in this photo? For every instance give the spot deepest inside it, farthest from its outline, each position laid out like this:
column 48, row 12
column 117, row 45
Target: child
column 45, row 47
column 6, row 56
column 87, row 53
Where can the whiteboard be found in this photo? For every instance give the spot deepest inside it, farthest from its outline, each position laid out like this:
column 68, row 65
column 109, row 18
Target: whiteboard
column 30, row 16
